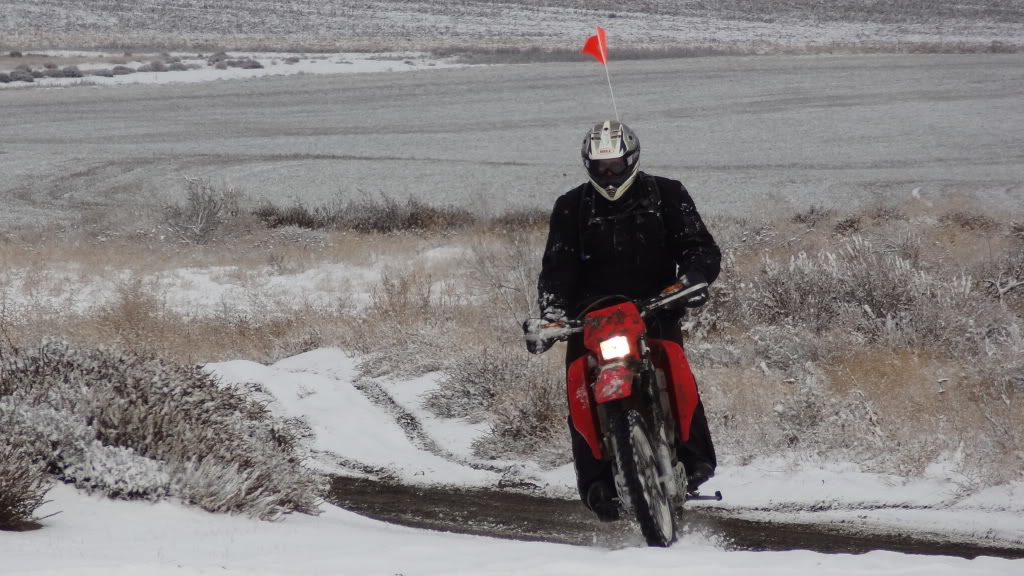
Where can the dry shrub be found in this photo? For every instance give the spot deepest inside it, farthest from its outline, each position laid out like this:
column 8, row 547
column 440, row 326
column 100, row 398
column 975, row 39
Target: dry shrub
column 813, row 216
column 137, row 426
column 528, row 410
column 411, row 327
column 883, row 295
column 23, row 485
column 207, row 209
column 383, row 215
column 970, row 220
column 848, row 225
column 521, row 220
column 932, row 406
column 1002, row 277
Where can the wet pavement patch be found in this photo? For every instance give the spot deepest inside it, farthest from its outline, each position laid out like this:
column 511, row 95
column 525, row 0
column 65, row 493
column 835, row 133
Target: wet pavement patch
column 518, row 516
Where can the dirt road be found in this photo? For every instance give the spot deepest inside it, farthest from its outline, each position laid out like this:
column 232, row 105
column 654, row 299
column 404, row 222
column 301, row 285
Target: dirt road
column 518, row 516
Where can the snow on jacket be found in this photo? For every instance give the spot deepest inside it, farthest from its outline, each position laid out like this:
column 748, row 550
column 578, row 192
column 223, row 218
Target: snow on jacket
column 633, row 247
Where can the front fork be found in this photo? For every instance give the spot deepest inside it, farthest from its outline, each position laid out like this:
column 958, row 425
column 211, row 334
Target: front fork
column 649, row 398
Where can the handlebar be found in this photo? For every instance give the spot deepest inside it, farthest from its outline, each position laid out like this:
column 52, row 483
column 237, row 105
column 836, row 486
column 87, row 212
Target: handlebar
column 544, row 332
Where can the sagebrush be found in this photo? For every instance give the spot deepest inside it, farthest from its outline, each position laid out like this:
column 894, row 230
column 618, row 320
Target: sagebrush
column 137, row 426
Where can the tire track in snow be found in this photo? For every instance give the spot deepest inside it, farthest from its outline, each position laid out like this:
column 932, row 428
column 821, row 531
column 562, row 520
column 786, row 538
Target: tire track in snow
column 414, row 430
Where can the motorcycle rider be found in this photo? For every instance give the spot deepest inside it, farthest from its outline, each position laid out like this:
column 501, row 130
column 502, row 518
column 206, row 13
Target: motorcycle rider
column 625, row 232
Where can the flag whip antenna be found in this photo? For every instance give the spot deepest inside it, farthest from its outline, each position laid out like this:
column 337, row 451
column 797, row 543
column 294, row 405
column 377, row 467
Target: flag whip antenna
column 608, row 75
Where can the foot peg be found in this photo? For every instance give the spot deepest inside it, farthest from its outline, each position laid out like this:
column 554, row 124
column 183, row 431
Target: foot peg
column 696, row 496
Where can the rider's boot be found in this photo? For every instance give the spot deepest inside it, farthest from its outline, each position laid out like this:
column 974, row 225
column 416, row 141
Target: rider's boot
column 601, row 499
column 700, row 473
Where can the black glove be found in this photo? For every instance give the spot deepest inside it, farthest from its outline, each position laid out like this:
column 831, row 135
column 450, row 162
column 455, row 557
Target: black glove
column 531, row 330
column 553, row 314
column 699, row 297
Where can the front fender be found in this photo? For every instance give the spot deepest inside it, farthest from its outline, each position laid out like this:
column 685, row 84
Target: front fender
column 614, row 382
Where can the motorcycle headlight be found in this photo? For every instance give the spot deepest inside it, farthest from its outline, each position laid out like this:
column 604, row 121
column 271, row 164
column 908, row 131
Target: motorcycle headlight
column 617, row 347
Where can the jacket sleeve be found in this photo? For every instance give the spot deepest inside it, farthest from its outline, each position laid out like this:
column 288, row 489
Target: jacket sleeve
column 690, row 242
column 560, row 268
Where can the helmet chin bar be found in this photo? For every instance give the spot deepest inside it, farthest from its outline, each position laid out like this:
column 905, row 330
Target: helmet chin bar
column 613, row 194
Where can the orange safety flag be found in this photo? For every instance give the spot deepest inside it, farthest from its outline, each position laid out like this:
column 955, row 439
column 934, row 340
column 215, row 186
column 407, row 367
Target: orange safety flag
column 597, row 46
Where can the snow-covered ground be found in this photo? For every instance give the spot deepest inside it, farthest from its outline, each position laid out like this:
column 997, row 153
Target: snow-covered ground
column 318, row 386
column 92, row 535
column 194, row 291
column 274, row 64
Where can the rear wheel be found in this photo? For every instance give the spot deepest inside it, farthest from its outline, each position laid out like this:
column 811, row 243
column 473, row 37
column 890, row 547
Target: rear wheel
column 637, row 461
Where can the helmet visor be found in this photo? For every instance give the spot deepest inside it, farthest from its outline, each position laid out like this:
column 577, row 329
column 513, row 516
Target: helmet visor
column 611, row 171
column 608, row 169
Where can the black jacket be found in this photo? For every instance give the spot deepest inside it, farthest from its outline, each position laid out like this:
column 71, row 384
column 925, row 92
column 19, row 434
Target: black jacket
column 634, row 247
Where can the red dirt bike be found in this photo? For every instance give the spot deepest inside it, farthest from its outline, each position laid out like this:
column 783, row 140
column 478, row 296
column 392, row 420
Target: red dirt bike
column 632, row 398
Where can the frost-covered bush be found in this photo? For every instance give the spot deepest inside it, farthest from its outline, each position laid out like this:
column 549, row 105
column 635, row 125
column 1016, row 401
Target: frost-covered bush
column 877, row 292
column 207, row 209
column 409, row 312
column 5, row 78
column 528, row 412
column 22, row 76
column 813, row 418
column 71, row 72
column 478, row 378
column 121, row 70
column 23, row 484
column 136, row 426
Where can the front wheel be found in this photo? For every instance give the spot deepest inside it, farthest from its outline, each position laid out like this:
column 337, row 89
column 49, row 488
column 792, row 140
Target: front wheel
column 637, row 462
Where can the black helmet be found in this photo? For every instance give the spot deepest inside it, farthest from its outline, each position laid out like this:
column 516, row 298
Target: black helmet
column 611, row 154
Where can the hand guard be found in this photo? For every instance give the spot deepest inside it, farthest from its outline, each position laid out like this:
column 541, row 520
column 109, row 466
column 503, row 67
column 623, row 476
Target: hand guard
column 690, row 278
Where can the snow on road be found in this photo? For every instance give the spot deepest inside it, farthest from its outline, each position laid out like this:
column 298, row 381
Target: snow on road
column 95, row 536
